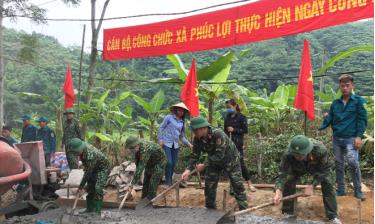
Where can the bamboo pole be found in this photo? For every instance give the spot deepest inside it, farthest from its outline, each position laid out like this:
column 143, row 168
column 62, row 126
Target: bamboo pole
column 80, row 71
column 305, row 126
column 359, row 206
column 177, row 195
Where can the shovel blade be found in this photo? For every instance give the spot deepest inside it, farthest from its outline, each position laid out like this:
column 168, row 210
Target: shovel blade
column 143, row 204
column 228, row 217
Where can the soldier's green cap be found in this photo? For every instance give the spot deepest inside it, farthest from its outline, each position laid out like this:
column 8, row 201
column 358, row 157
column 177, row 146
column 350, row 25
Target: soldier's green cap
column 26, row 117
column 301, row 145
column 76, row 145
column 131, row 142
column 198, row 122
column 69, row 111
column 42, row 119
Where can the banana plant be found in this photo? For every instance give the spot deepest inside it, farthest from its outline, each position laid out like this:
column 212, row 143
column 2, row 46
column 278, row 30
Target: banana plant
column 273, row 108
column 153, row 110
column 216, row 73
column 102, row 111
column 342, row 55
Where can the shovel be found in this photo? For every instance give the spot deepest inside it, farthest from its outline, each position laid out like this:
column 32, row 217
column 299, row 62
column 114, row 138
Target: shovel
column 145, row 202
column 125, row 197
column 75, row 203
column 123, row 201
column 66, row 218
column 231, row 217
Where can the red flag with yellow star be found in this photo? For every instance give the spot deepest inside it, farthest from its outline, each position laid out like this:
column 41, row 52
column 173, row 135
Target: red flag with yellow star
column 68, row 89
column 189, row 93
column 305, row 92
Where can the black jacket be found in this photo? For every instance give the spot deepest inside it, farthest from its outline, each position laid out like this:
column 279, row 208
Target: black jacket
column 239, row 123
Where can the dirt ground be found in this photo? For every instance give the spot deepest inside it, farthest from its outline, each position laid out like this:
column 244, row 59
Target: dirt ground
column 308, row 208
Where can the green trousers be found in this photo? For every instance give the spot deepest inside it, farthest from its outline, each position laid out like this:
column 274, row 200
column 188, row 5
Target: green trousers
column 212, row 175
column 329, row 196
column 152, row 179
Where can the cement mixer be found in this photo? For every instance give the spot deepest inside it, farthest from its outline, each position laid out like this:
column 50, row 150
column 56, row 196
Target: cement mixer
column 24, row 164
column 13, row 167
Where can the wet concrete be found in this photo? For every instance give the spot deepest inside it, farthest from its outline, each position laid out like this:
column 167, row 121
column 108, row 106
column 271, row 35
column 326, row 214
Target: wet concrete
column 161, row 215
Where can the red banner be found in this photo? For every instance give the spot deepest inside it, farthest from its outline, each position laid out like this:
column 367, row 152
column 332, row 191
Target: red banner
column 261, row 20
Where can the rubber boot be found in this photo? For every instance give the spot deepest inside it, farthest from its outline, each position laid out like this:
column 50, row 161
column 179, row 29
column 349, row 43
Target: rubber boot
column 98, row 206
column 89, row 205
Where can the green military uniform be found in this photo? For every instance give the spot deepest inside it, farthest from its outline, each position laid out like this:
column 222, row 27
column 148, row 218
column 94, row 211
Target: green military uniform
column 71, row 129
column 29, row 131
column 97, row 168
column 315, row 163
column 223, row 156
column 47, row 135
column 150, row 158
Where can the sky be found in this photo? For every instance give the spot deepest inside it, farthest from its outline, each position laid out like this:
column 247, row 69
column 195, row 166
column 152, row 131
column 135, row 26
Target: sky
column 70, row 33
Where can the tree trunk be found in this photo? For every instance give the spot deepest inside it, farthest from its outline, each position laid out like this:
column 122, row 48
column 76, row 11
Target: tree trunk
column 91, row 81
column 2, row 74
column 210, row 110
column 94, row 51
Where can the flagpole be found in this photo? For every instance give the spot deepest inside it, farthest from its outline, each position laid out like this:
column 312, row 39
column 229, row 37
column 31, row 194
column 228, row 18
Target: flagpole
column 305, row 126
column 80, row 71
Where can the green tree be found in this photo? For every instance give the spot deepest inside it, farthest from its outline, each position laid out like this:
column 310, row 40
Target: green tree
column 12, row 9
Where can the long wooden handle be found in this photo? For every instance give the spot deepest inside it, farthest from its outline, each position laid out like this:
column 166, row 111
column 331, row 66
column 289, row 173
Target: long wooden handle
column 267, row 204
column 126, row 195
column 123, row 201
column 170, row 188
column 76, row 200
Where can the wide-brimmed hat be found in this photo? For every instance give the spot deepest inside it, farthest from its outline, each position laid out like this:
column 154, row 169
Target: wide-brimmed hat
column 300, row 145
column 198, row 122
column 179, row 105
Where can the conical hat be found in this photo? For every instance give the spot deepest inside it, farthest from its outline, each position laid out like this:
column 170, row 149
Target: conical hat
column 180, row 105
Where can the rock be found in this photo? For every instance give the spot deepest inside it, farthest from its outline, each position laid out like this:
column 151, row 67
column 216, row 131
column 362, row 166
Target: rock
column 74, row 179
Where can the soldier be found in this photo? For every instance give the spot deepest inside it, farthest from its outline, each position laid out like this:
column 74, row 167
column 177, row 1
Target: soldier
column 149, row 157
column 71, row 129
column 306, row 156
column 223, row 156
column 28, row 130
column 47, row 135
column 7, row 133
column 97, row 167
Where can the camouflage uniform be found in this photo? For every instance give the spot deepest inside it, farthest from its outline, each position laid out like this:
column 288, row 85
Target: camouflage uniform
column 150, row 158
column 71, row 129
column 47, row 135
column 223, row 156
column 29, row 133
column 96, row 168
column 318, row 164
